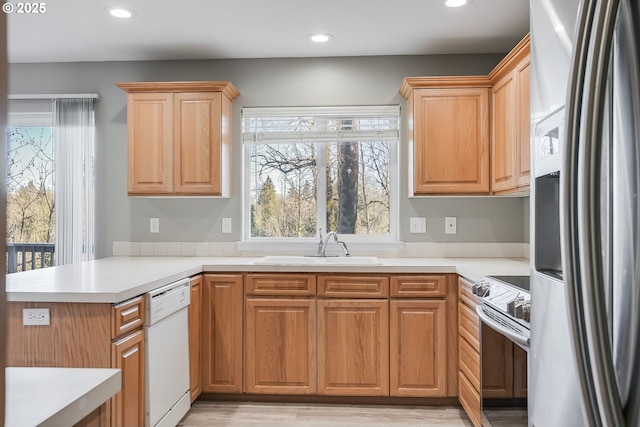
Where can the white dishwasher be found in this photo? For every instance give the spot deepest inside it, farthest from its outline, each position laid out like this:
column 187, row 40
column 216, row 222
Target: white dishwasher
column 167, row 341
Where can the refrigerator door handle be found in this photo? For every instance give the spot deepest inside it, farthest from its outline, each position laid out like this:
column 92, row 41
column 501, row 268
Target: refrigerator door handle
column 569, row 210
column 591, row 270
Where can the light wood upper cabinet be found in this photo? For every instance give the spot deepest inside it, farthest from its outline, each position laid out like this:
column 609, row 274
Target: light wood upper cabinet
column 471, row 134
column 449, row 126
column 179, row 138
column 222, row 315
column 195, row 338
column 510, row 121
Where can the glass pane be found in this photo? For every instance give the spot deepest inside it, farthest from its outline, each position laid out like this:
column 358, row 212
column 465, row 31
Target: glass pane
column 30, row 197
column 358, row 198
column 283, row 190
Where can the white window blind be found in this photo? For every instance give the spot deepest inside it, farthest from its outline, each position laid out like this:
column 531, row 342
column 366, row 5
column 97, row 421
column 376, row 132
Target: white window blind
column 285, row 125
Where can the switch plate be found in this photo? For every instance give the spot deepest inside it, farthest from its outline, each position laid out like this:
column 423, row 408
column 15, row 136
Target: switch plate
column 35, row 317
column 417, row 225
column 154, row 225
column 450, row 225
column 226, row 225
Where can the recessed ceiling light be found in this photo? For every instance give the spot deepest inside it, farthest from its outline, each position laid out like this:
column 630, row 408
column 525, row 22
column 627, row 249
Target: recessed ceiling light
column 320, row 38
column 456, row 3
column 120, row 12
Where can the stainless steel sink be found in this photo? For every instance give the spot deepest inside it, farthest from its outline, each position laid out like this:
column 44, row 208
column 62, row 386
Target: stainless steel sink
column 313, row 260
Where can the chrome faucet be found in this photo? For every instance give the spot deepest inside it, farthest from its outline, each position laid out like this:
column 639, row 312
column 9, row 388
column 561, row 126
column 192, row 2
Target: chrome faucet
column 322, row 244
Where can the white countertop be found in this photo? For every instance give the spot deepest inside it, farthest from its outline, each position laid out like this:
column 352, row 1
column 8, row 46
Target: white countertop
column 116, row 279
column 56, row 396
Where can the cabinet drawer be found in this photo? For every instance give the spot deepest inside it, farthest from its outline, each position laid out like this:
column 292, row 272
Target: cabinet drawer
column 432, row 286
column 465, row 294
column 470, row 399
column 282, row 284
column 469, row 325
column 353, row 286
column 470, row 363
column 127, row 316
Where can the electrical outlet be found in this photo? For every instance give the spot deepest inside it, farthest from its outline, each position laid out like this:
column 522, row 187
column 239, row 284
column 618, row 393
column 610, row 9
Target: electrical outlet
column 35, row 317
column 451, row 225
column 154, row 225
column 226, row 225
column 417, row 225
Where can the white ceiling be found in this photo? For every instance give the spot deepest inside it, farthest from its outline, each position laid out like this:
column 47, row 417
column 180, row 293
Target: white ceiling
column 81, row 30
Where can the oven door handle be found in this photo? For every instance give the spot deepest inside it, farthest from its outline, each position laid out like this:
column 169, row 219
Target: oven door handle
column 513, row 336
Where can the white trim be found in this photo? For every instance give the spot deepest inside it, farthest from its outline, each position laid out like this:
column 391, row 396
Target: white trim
column 37, row 119
column 52, row 96
column 319, row 138
column 355, row 111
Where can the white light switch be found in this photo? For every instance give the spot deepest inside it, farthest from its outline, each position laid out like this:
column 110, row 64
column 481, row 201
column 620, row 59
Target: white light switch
column 451, row 225
column 226, row 225
column 417, row 225
column 154, row 225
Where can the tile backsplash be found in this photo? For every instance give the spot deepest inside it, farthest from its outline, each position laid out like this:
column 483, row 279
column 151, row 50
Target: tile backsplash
column 409, row 250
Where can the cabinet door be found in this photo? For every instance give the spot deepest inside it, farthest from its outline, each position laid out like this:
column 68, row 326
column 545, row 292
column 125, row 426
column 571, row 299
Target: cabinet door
column 222, row 333
column 195, row 338
column 504, row 147
column 353, row 347
column 497, row 365
column 197, row 145
column 280, row 345
column 451, row 141
column 519, row 372
column 150, row 149
column 524, row 123
column 418, row 348
column 128, row 355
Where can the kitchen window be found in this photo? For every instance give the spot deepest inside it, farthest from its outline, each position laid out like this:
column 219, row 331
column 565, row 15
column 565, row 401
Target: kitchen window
column 329, row 168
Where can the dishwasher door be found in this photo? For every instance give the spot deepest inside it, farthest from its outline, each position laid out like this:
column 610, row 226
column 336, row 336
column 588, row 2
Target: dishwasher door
column 167, row 336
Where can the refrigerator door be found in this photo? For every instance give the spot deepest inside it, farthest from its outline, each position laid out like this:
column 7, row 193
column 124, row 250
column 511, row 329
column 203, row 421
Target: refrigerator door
column 600, row 229
column 554, row 386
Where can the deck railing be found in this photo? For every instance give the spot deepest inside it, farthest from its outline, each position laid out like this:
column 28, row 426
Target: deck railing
column 29, row 256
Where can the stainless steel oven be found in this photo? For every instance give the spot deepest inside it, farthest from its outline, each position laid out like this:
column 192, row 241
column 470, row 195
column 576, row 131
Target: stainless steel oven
column 505, row 307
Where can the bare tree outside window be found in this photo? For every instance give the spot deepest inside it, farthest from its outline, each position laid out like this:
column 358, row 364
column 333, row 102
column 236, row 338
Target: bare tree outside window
column 285, row 190
column 30, row 190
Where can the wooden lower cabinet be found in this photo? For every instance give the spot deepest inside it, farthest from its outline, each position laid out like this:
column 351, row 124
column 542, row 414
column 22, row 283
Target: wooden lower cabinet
column 222, row 325
column 195, row 338
column 280, row 346
column 418, row 348
column 128, row 404
column 469, row 366
column 520, row 385
column 353, row 347
column 497, row 366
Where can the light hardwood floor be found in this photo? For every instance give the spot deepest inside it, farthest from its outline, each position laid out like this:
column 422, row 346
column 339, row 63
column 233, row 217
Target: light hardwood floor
column 237, row 414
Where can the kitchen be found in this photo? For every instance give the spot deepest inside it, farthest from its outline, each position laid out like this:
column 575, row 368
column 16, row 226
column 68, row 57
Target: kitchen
column 496, row 224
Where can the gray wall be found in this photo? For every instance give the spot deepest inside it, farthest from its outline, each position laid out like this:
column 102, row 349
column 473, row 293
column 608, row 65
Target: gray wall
column 261, row 82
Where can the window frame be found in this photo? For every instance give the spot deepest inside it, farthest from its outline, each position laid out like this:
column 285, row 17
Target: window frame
column 292, row 242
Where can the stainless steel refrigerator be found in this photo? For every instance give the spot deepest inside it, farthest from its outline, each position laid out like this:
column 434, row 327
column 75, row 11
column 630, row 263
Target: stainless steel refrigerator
column 584, row 358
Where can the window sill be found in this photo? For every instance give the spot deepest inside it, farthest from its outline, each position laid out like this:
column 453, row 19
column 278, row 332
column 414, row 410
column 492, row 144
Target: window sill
column 310, row 247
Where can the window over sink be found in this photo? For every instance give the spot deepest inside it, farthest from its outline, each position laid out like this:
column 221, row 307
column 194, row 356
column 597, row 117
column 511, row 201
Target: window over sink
column 321, row 168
